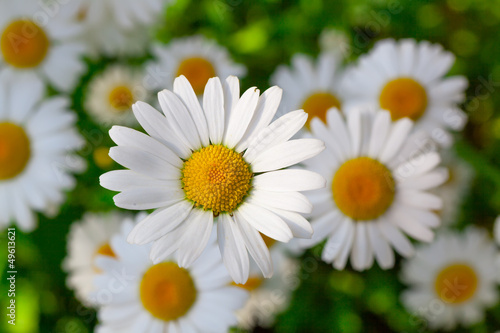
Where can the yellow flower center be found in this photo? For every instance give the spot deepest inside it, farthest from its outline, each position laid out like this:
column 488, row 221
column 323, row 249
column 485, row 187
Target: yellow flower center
column 101, row 157
column 363, row 188
column 106, row 250
column 317, row 104
column 456, row 283
column 121, row 98
column 216, row 178
column 167, row 291
column 197, row 70
column 404, row 97
column 14, row 150
column 252, row 283
column 24, row 44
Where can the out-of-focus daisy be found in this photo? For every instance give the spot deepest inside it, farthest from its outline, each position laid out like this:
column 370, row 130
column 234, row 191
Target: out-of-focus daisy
column 453, row 191
column 37, row 140
column 117, row 28
column 86, row 239
column 217, row 163
column 452, row 280
column 111, row 94
column 195, row 57
column 374, row 194
column 406, row 78
column 268, row 297
column 315, row 88
column 29, row 43
column 137, row 295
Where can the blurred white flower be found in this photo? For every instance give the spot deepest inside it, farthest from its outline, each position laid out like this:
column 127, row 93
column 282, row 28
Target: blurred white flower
column 111, row 94
column 136, row 295
column 406, row 78
column 374, row 192
column 220, row 163
column 452, row 280
column 86, row 239
column 195, row 57
column 336, row 42
column 30, row 41
column 313, row 87
column 37, row 141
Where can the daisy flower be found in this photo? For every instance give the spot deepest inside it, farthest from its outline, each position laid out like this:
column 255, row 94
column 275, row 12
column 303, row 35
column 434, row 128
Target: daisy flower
column 456, row 187
column 111, row 94
column 335, row 41
column 32, row 42
column 452, row 280
column 195, row 57
column 376, row 189
column 117, row 28
column 86, row 239
column 406, row 78
column 315, row 88
column 268, row 297
column 217, row 163
column 37, row 140
column 137, row 295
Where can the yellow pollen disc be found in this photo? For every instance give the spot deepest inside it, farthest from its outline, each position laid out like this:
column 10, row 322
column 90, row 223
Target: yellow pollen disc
column 251, row 284
column 167, row 291
column 317, row 104
column 197, row 70
column 363, row 188
column 101, row 157
column 404, row 97
column 121, row 98
column 456, row 283
column 14, row 150
column 24, row 44
column 216, row 178
column 106, row 250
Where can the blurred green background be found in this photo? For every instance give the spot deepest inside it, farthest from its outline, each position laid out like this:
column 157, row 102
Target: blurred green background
column 263, row 34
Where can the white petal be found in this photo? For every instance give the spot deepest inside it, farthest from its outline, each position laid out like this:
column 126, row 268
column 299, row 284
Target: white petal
column 148, row 197
column 159, row 223
column 418, row 165
column 292, row 201
column 120, row 180
column 383, row 252
column 427, row 181
column 411, row 225
column 232, row 248
column 213, row 105
column 420, row 199
column 300, row 227
column 361, row 247
column 396, row 139
column 380, row 130
column 289, row 180
column 266, row 222
column 184, row 90
column 341, row 259
column 255, row 245
column 286, row 154
column 240, row 117
column 340, row 227
column 197, row 234
column 392, row 234
column 355, row 130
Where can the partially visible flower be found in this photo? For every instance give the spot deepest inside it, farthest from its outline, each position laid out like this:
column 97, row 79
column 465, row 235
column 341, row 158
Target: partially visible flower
column 137, row 295
column 377, row 190
column 453, row 280
column 269, row 297
column 37, row 143
column 87, row 239
column 220, row 163
column 313, row 87
column 407, row 79
column 111, row 94
column 195, row 57
column 336, row 42
column 46, row 48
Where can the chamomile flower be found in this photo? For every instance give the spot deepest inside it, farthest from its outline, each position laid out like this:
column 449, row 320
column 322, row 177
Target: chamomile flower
column 453, row 191
column 137, row 295
column 31, row 42
column 111, row 94
column 406, row 78
column 268, row 297
column 217, row 163
column 313, row 87
column 37, row 141
column 374, row 192
column 452, row 280
column 335, row 41
column 117, row 28
column 86, row 239
column 195, row 57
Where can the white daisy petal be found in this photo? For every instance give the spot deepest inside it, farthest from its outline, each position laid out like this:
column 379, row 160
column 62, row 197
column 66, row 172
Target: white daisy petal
column 241, row 116
column 266, row 222
column 382, row 250
column 199, row 229
column 213, row 104
column 292, row 201
column 289, row 180
column 396, row 139
column 148, row 198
